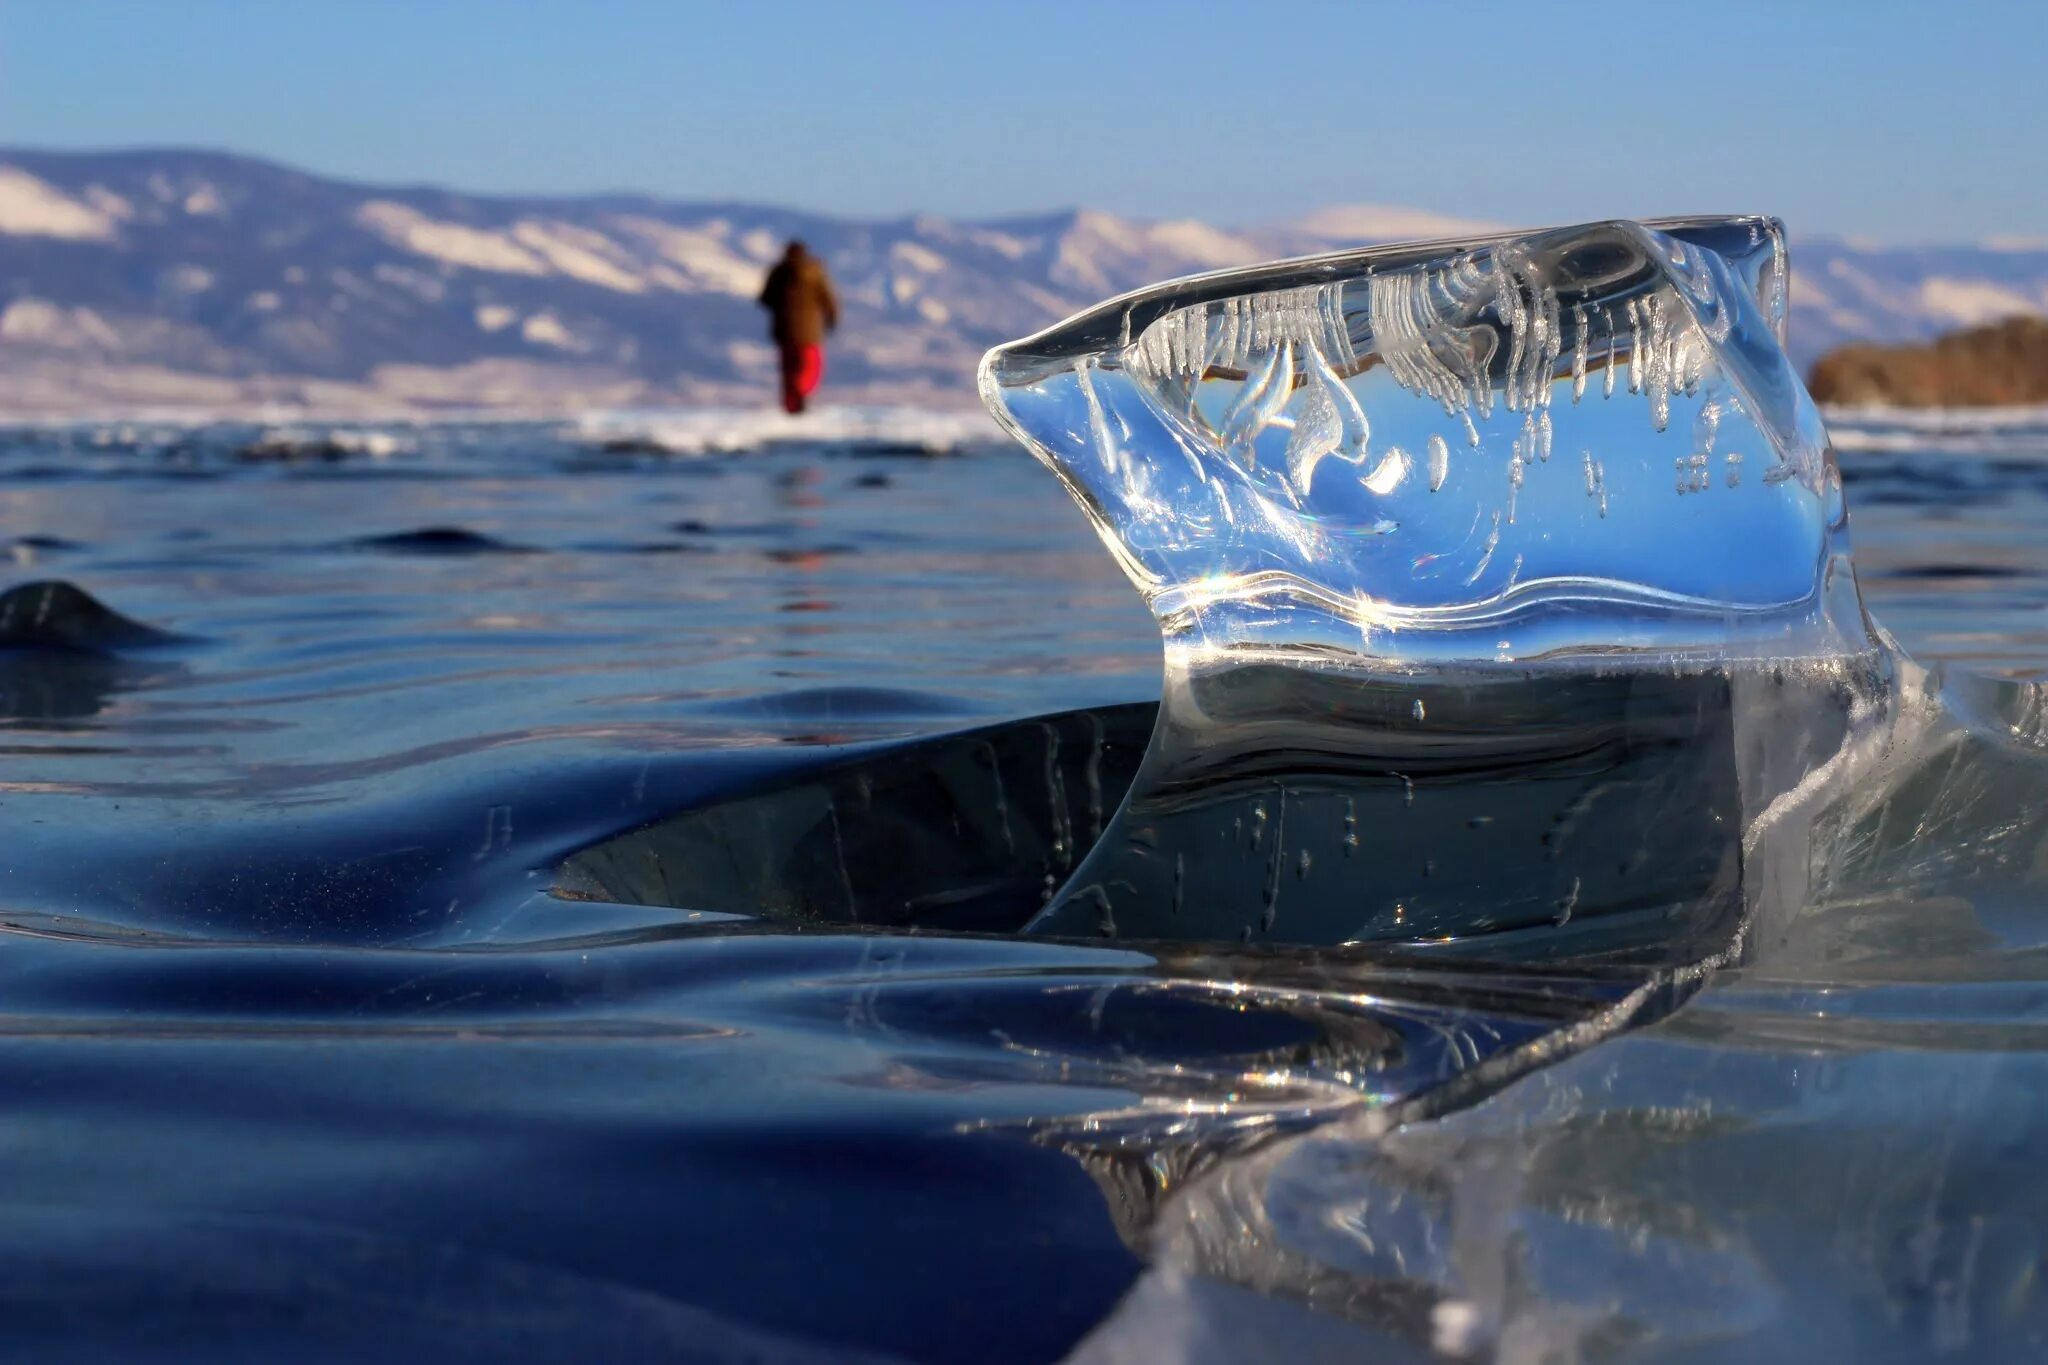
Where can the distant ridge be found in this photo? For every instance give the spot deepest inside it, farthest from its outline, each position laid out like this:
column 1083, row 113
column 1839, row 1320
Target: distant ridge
column 1385, row 222
column 195, row 281
column 2003, row 364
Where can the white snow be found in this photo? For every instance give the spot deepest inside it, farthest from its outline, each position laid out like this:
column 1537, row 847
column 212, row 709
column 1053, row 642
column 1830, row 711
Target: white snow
column 39, row 320
column 917, row 257
column 761, row 244
column 264, row 301
column 34, row 208
column 495, row 317
column 1200, row 244
column 706, row 258
column 2012, row 418
column 578, row 253
column 1108, row 230
column 205, row 202
column 1002, row 243
column 1100, row 250
column 545, row 329
column 712, row 430
column 474, row 248
column 2013, row 433
column 1970, row 302
column 1387, row 223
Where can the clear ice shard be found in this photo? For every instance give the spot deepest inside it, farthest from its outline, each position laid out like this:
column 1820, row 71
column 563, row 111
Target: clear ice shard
column 1354, row 453
column 1505, row 588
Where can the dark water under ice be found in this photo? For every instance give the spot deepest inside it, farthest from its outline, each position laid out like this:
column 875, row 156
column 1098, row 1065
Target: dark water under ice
column 335, row 1016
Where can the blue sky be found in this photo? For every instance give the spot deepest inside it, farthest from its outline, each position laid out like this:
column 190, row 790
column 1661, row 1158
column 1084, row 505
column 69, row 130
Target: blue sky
column 1903, row 122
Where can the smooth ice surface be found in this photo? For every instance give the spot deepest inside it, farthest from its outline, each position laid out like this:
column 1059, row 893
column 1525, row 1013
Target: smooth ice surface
column 1586, row 440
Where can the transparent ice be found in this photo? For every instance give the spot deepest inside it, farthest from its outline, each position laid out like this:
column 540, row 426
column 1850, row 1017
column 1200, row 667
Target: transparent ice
column 1491, row 574
column 1574, row 441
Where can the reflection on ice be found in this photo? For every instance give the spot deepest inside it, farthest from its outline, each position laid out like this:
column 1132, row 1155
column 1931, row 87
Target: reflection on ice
column 1830, row 1152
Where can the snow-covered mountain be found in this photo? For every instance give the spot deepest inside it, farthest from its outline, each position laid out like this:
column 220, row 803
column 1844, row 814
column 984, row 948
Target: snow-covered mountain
column 179, row 279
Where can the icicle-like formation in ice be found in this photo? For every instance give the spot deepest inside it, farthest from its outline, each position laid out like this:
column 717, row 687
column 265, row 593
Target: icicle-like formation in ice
column 1282, row 443
column 1241, row 334
column 1607, row 378
column 1293, row 357
column 1330, row 423
column 1175, row 347
column 1415, row 346
column 1579, row 352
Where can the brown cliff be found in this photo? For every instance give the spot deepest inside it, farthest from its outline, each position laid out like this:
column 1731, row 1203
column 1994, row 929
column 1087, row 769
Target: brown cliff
column 2006, row 362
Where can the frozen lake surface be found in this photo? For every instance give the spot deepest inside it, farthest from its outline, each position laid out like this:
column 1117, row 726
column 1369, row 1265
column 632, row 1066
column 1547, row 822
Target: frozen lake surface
column 311, row 1050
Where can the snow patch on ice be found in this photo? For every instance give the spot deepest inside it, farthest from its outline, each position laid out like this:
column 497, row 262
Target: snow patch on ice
column 1942, row 419
column 2012, row 433
column 722, row 430
column 495, row 317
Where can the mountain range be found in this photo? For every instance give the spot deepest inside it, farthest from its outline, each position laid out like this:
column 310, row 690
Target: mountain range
column 173, row 280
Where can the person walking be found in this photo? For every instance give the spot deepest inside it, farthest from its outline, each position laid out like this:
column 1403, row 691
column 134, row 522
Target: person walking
column 801, row 310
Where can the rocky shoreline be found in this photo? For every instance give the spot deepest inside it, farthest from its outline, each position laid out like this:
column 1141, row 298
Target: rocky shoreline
column 1997, row 365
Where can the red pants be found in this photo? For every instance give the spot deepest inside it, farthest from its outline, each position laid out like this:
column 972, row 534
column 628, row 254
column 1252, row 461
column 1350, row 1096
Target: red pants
column 802, row 368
